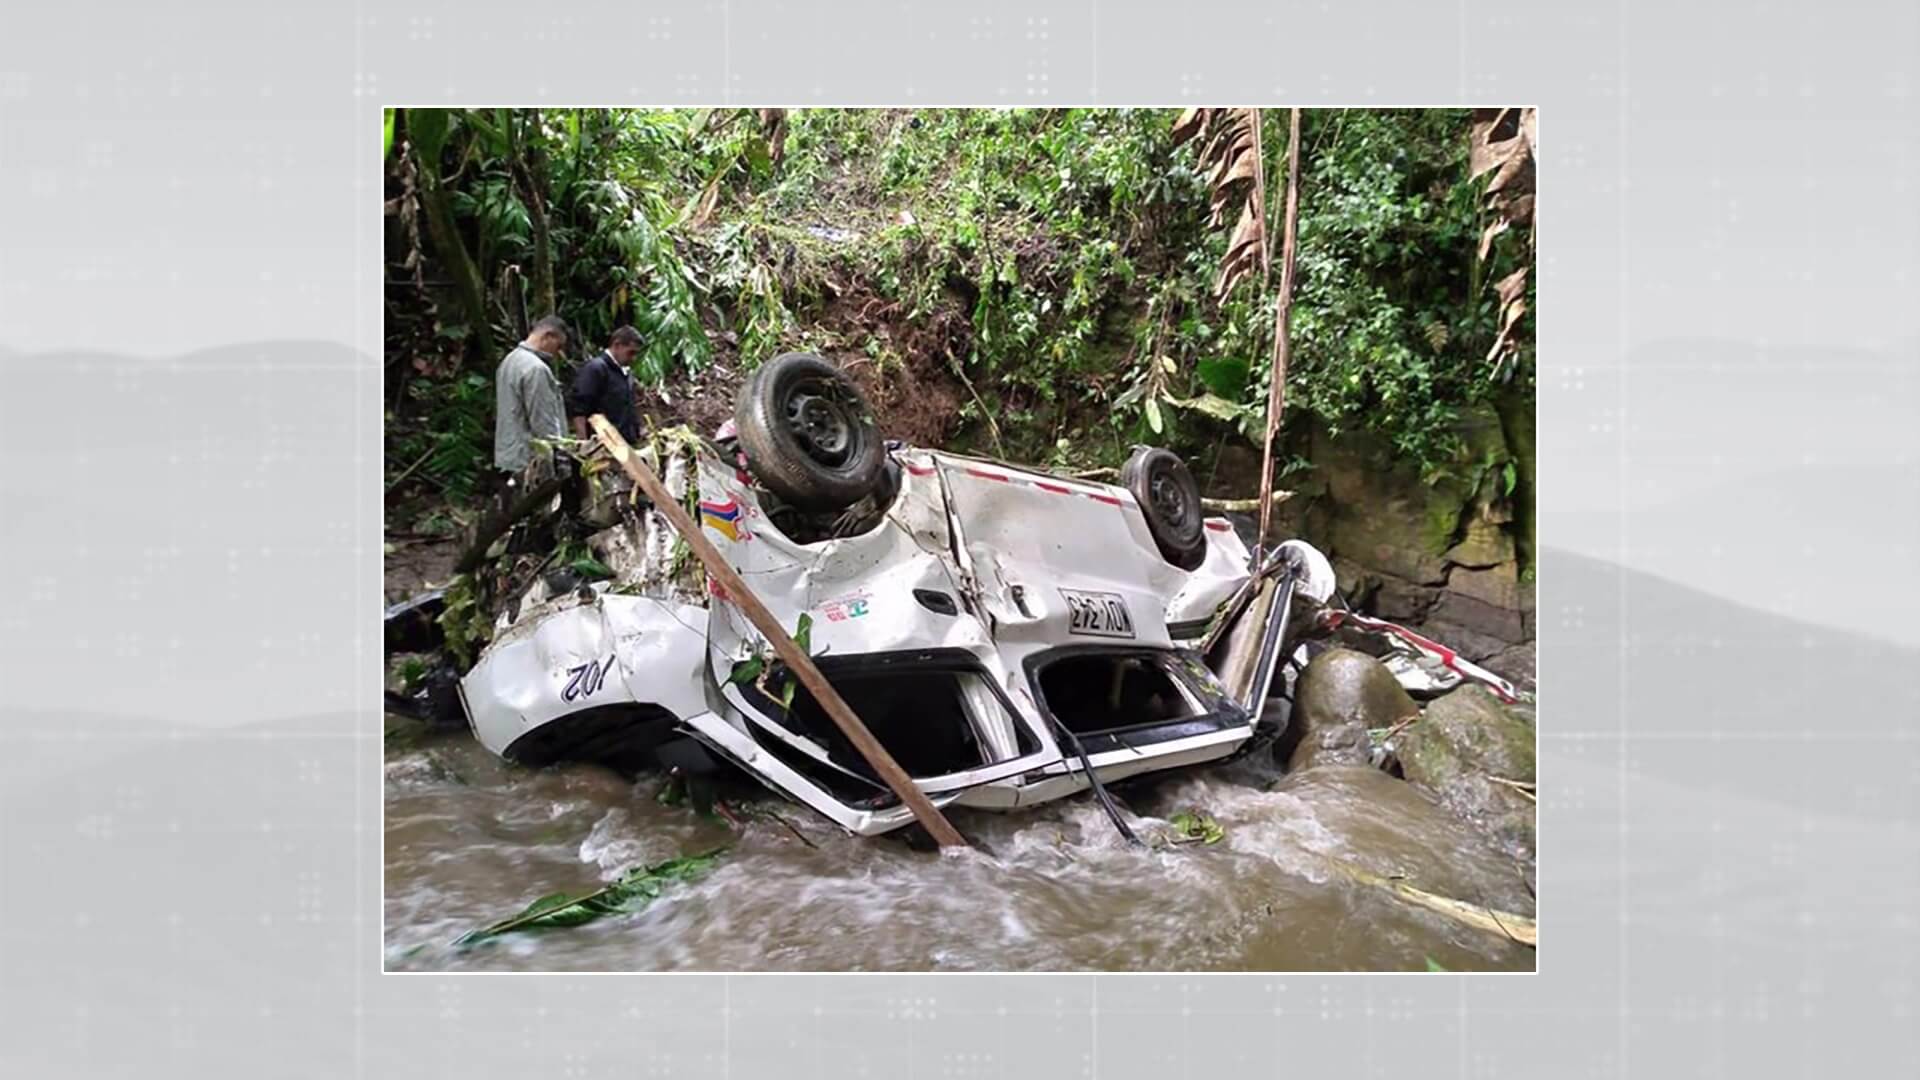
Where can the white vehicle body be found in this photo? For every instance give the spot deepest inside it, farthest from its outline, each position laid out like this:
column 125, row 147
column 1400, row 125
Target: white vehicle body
column 944, row 626
column 980, row 578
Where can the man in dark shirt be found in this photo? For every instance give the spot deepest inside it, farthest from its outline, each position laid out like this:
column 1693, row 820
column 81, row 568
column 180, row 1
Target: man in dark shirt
column 604, row 386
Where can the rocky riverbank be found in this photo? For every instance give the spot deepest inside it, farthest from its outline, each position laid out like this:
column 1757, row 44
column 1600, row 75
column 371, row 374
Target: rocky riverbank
column 1466, row 750
column 1449, row 554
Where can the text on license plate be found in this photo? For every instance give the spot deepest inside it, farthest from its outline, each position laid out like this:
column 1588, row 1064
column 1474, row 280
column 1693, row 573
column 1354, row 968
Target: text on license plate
column 1098, row 614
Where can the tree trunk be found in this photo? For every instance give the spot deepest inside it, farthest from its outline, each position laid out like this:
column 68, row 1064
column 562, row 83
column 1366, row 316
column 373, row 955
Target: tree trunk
column 1282, row 316
column 528, row 148
column 444, row 231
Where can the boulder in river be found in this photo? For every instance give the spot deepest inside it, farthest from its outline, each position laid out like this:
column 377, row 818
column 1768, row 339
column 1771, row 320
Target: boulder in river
column 1457, row 751
column 1338, row 697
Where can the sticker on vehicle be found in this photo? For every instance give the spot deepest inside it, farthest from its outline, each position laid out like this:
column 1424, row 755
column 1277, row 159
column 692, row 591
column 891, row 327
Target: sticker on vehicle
column 1097, row 614
column 854, row 605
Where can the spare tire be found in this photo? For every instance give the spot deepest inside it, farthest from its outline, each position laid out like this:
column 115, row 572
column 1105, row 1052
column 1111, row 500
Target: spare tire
column 1168, row 496
column 808, row 434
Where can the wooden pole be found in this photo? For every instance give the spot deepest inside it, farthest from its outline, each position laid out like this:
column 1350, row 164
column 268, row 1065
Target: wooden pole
column 1276, row 391
column 798, row 662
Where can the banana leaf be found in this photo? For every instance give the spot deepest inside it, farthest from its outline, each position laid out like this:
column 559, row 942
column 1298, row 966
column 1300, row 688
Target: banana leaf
column 629, row 893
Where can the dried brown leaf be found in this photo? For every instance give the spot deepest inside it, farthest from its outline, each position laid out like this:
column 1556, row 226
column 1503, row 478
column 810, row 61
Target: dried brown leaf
column 1243, row 252
column 1493, row 229
column 1502, row 143
column 1512, row 291
column 1190, row 123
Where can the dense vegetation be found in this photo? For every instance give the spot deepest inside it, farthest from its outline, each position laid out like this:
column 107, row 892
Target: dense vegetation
column 1034, row 284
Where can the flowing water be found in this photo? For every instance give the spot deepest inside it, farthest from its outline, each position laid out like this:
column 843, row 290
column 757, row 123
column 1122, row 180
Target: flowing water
column 470, row 840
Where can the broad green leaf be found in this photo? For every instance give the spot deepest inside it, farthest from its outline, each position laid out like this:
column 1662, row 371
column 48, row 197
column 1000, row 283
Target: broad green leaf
column 1224, row 375
column 427, row 130
column 632, row 891
column 746, row 671
column 1217, row 407
column 1435, row 965
column 386, row 134
column 588, row 566
column 1153, row 415
column 803, row 633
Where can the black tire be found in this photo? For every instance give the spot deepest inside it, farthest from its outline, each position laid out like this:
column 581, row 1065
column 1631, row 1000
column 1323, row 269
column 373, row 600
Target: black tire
column 1168, row 496
column 808, row 434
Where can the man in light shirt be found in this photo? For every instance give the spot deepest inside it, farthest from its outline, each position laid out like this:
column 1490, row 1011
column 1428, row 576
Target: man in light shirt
column 528, row 401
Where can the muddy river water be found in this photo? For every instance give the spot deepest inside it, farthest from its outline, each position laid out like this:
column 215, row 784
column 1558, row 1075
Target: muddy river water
column 470, row 839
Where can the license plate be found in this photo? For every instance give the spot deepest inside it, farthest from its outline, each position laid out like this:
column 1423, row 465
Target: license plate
column 1097, row 614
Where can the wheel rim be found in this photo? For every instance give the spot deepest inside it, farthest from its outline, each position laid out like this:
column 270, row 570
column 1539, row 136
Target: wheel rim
column 821, row 422
column 1169, row 498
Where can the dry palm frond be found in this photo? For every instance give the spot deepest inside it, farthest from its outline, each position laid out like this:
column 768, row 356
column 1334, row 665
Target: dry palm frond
column 1503, row 143
column 1230, row 154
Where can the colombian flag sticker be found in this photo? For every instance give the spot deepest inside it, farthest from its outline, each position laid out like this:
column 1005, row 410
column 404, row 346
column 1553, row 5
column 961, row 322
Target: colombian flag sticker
column 723, row 518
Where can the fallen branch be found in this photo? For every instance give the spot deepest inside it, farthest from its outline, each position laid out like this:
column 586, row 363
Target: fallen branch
column 1241, row 506
column 1399, row 727
column 791, row 827
column 408, row 471
column 1526, row 789
column 1518, row 928
column 500, row 517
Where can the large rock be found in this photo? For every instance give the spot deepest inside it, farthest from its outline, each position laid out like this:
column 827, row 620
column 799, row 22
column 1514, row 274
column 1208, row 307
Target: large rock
column 1337, row 698
column 1497, row 586
column 1507, row 625
column 1458, row 747
column 1487, row 543
column 1402, row 601
column 1516, row 663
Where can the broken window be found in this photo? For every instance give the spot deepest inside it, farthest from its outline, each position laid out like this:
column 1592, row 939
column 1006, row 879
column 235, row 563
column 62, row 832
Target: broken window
column 936, row 715
column 1089, row 693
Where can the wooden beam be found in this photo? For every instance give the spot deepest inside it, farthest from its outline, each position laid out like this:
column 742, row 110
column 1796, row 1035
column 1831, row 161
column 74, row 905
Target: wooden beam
column 798, row 662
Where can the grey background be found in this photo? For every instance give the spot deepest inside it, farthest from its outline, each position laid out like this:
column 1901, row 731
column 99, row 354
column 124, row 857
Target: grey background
column 190, row 475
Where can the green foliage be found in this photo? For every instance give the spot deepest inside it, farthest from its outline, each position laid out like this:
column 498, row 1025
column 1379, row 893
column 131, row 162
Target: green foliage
column 631, row 892
column 452, row 430
column 1072, row 243
column 463, row 619
column 408, row 670
column 589, row 567
column 1196, row 826
column 747, row 672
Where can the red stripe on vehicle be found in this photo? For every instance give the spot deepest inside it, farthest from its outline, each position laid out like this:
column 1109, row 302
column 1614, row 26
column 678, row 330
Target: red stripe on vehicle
column 1219, row 526
column 1108, row 499
column 1449, row 659
column 919, row 470
column 1055, row 488
column 984, row 475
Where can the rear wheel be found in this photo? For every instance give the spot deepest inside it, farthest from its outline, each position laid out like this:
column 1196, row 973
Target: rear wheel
column 808, row 434
column 1168, row 496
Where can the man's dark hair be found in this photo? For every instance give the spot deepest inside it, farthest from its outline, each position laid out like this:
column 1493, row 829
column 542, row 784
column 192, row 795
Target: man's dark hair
column 552, row 324
column 627, row 335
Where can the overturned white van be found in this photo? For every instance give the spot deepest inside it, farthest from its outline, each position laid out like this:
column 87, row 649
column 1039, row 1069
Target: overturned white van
column 1010, row 636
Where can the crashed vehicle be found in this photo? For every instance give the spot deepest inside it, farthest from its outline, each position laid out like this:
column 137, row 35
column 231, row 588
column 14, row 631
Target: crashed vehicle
column 1010, row 636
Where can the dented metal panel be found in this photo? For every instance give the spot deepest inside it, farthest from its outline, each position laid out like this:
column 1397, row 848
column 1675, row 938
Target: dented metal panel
column 998, row 563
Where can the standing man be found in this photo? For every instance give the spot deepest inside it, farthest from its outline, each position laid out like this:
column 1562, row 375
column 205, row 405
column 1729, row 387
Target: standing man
column 528, row 405
column 604, row 385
